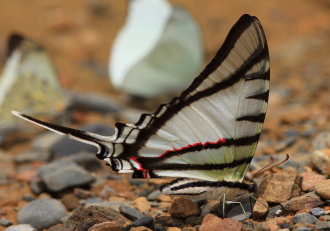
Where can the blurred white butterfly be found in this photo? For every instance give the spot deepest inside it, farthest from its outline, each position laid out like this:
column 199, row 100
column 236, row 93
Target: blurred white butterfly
column 158, row 51
column 29, row 82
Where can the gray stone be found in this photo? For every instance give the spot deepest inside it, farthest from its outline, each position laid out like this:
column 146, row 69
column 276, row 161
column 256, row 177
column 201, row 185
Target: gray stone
column 318, row 211
column 5, row 222
column 87, row 160
column 24, row 227
column 304, row 218
column 143, row 221
column 45, row 140
column 154, row 195
column 38, row 155
column 37, row 186
column 93, row 102
column 67, row 146
column 130, row 213
column 237, row 212
column 60, row 175
column 322, row 225
column 42, row 213
column 285, row 143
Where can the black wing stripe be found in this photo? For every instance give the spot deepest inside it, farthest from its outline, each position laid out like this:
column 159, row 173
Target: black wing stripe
column 158, row 164
column 253, row 118
column 194, row 184
column 262, row 96
column 234, row 34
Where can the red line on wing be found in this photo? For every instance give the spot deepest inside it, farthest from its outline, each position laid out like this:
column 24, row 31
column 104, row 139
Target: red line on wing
column 223, row 140
column 145, row 171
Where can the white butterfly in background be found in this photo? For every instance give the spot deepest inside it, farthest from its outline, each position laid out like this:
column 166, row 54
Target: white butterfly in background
column 207, row 136
column 29, row 82
column 158, row 51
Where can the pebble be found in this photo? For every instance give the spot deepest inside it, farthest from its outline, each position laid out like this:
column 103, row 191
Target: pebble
column 82, row 193
column 141, row 228
column 70, row 201
column 322, row 225
column 142, row 204
column 167, row 221
column 93, row 102
column 214, row 223
column 23, row 227
column 182, row 208
column 154, row 195
column 5, row 222
column 67, row 146
column 321, row 160
column 42, row 213
column 87, row 160
column 143, row 221
column 260, row 209
column 318, row 211
column 131, row 213
column 106, row 226
column 285, row 143
column 237, row 212
column 61, row 175
column 309, row 180
column 31, row 156
column 159, row 227
column 309, row 200
column 321, row 141
column 45, row 141
column 193, row 220
column 322, row 188
column 274, row 211
column 85, row 218
column 304, row 218
column 280, row 187
column 37, row 186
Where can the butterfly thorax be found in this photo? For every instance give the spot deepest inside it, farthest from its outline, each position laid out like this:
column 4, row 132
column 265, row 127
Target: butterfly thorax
column 199, row 189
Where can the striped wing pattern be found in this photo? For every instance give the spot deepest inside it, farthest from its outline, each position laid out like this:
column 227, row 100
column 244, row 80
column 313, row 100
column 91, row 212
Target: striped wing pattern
column 210, row 131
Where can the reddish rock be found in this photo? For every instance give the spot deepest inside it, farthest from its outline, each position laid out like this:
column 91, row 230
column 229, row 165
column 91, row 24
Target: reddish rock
column 322, row 188
column 106, row 226
column 140, row 228
column 142, row 204
column 309, row 200
column 321, row 160
column 82, row 193
column 182, row 208
column 70, row 201
column 309, row 179
column 214, row 223
column 280, row 187
column 260, row 209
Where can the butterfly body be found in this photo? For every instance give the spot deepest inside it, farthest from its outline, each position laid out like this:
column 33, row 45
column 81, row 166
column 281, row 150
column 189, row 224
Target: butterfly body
column 207, row 136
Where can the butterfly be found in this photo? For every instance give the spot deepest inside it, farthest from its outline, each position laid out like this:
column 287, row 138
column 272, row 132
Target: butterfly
column 158, row 51
column 207, row 136
column 29, row 82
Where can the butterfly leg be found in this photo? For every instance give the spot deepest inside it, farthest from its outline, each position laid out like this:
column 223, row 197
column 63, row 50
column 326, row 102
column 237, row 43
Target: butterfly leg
column 237, row 202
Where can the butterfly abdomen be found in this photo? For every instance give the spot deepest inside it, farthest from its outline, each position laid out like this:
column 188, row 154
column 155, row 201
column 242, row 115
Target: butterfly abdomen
column 197, row 189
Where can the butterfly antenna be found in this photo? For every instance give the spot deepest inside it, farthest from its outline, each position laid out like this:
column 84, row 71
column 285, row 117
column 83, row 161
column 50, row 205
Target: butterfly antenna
column 266, row 168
